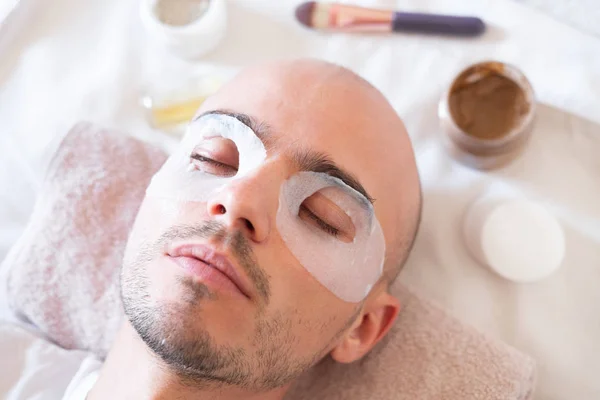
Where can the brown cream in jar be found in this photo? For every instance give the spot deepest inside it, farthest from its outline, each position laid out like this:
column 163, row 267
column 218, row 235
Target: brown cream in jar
column 487, row 114
column 486, row 104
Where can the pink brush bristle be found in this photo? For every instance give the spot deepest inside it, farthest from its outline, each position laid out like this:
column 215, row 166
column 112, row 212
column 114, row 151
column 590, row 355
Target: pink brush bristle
column 304, row 13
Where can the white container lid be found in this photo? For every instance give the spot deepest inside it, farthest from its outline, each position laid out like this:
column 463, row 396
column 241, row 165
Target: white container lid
column 518, row 239
column 189, row 41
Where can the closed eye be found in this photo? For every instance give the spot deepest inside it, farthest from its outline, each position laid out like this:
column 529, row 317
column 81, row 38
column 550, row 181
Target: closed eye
column 324, row 214
column 324, row 226
column 211, row 166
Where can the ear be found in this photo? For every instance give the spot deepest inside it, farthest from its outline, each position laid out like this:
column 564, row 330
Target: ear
column 369, row 328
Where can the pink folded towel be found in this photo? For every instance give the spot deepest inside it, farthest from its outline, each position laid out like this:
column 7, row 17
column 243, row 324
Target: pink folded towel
column 63, row 277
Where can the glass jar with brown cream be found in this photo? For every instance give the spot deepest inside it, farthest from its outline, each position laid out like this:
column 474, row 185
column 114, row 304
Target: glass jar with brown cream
column 487, row 114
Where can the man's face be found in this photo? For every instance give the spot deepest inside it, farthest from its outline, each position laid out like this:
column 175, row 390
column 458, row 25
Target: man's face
column 275, row 320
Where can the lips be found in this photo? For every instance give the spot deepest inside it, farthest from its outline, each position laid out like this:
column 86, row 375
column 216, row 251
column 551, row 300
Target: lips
column 209, row 265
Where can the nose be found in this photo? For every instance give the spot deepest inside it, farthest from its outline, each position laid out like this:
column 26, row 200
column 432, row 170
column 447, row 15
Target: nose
column 249, row 203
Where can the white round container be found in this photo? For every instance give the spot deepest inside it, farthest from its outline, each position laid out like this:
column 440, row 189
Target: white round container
column 188, row 41
column 518, row 239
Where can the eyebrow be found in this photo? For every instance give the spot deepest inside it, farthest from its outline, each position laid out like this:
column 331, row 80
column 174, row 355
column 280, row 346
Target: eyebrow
column 309, row 160
column 305, row 160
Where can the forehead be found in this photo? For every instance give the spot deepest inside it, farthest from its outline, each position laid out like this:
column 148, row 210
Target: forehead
column 337, row 116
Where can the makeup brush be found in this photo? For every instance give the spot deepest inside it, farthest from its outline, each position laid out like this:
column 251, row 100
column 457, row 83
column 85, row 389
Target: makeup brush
column 346, row 18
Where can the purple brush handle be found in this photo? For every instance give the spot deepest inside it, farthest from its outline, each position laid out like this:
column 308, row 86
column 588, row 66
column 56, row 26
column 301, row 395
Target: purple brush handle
column 434, row 23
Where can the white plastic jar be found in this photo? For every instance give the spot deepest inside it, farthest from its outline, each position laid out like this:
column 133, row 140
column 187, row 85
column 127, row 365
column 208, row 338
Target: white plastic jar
column 186, row 36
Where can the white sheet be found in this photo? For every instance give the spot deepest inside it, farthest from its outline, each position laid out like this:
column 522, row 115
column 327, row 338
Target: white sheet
column 73, row 60
column 33, row 368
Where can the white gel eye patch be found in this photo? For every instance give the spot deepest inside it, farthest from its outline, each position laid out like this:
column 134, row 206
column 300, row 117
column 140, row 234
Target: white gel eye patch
column 177, row 180
column 348, row 270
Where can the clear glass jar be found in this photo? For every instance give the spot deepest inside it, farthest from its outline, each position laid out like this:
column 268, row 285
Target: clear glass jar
column 171, row 108
column 484, row 153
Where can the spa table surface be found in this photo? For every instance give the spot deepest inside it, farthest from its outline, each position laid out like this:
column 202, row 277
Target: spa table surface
column 67, row 60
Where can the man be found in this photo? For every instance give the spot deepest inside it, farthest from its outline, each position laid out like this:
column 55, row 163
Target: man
column 225, row 297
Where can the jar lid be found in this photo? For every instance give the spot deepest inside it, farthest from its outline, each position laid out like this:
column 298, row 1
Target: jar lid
column 518, row 239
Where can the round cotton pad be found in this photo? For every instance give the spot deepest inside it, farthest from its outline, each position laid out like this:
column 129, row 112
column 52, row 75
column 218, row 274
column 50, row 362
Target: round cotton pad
column 518, row 239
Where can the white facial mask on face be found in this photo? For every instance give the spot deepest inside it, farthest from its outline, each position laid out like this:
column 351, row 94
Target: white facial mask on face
column 348, row 269
column 178, row 181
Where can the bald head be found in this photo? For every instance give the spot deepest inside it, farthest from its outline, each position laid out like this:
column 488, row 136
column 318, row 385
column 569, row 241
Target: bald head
column 333, row 109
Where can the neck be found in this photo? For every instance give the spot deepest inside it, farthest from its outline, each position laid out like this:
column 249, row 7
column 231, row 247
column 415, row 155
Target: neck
column 133, row 371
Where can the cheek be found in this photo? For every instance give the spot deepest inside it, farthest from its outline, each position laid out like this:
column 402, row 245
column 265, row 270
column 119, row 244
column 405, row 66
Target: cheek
column 313, row 318
column 296, row 292
column 156, row 216
column 144, row 252
column 292, row 283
